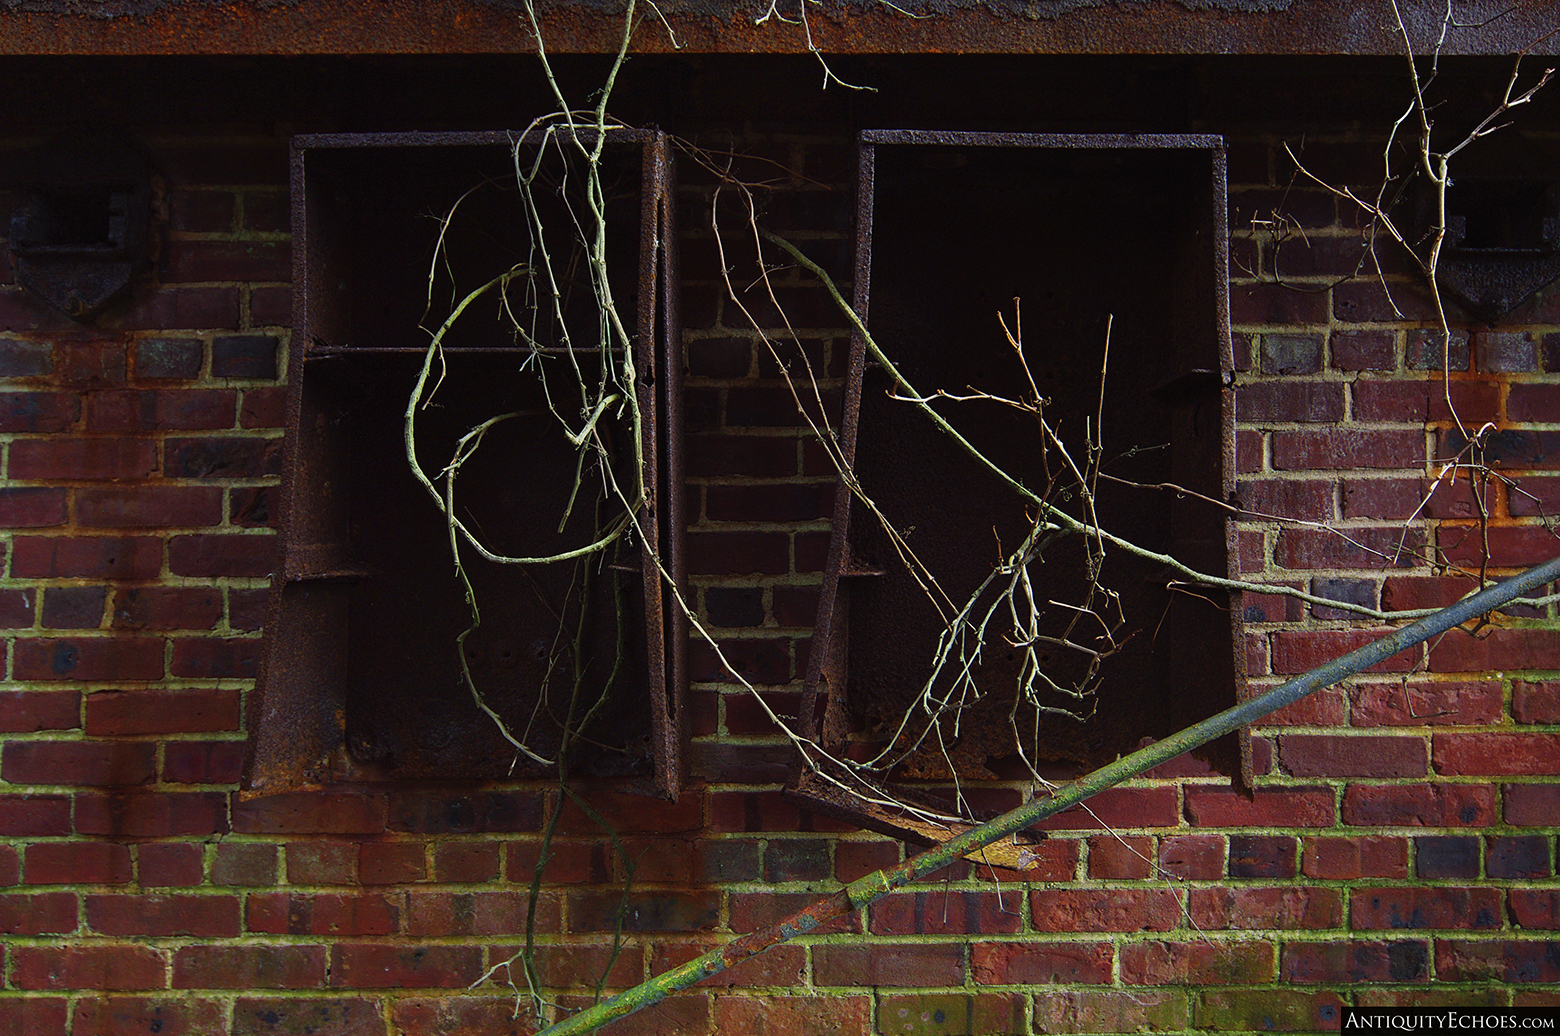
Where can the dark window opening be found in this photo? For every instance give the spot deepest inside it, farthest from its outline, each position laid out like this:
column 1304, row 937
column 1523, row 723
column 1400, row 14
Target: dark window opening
column 362, row 674
column 951, row 229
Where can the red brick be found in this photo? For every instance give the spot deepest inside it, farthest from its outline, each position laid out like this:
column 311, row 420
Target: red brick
column 213, row 658
column 1419, row 805
column 90, row 364
column 1533, row 497
column 77, row 863
column 263, row 408
column 34, row 1016
column 34, row 815
column 1496, row 960
column 447, row 811
column 1120, row 857
column 750, row 911
column 295, row 1016
column 247, row 260
column 202, row 762
column 1091, row 910
column 1475, row 402
column 1408, row 593
column 465, row 861
column 96, row 557
column 27, row 711
column 947, row 913
column 451, row 1016
column 581, row 965
column 1303, row 401
column 1460, row 651
column 168, row 864
column 1364, row 301
column 1504, row 546
column 380, row 966
column 1331, row 755
column 244, row 863
column 1531, row 805
column 138, row 410
column 1343, row 448
column 247, row 609
column 758, row 660
column 670, row 910
column 134, row 1016
column 16, row 608
column 39, row 913
column 78, row 762
column 1110, row 1010
column 89, row 658
column 222, row 555
column 1192, row 857
column 245, row 456
column 1199, row 963
column 162, row 712
column 147, row 815
column 634, row 814
column 249, row 967
column 66, row 458
column 1315, row 963
column 1348, row 858
column 87, row 967
column 571, row 861
column 439, row 914
column 1300, row 651
column 178, row 309
column 144, row 507
column 739, row 553
column 1366, row 548
column 322, row 863
column 10, row 866
column 907, row 964
column 29, row 508
column 1287, row 807
column 1497, row 754
column 728, row 455
column 1040, row 963
column 1364, row 350
column 1287, row 498
column 1536, row 909
column 1269, row 303
column 1446, row 703
column 1416, row 908
column 38, row 411
column 281, row 913
column 780, row 966
column 391, row 863
column 1258, row 909
column 335, row 813
column 167, row 608
column 1248, row 451
column 1118, row 807
column 163, row 915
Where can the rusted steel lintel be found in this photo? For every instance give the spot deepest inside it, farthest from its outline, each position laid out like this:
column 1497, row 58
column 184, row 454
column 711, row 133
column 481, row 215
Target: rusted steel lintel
column 1324, row 27
column 880, row 883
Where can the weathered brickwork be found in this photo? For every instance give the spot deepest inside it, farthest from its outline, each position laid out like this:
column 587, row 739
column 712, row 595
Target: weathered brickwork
column 1398, row 846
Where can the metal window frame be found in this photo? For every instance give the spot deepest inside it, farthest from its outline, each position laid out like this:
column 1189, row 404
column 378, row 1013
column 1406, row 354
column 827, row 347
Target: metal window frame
column 296, row 712
column 824, row 718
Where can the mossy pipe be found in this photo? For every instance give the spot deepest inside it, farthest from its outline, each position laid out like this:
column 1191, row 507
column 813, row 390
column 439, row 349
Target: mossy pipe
column 880, row 883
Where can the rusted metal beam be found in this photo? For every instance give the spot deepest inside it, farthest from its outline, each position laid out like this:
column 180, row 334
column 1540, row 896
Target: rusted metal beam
column 875, row 886
column 254, row 27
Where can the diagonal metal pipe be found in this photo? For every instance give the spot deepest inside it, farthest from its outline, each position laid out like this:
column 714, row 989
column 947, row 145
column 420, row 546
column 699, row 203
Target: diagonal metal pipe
column 880, row 883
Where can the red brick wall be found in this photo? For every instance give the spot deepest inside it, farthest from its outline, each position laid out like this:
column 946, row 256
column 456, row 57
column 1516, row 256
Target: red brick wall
column 1399, row 847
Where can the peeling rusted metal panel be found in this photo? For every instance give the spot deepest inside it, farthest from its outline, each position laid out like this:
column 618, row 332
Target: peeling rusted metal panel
column 150, row 27
column 1169, row 375
column 360, row 675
